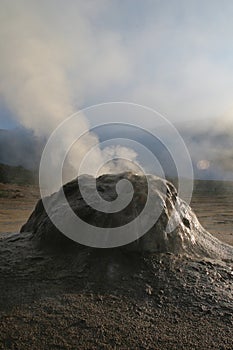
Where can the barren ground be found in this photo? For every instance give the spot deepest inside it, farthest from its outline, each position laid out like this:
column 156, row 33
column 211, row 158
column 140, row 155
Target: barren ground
column 109, row 299
column 16, row 204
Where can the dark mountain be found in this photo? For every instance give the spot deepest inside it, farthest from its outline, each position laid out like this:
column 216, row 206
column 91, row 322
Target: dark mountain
column 215, row 148
column 16, row 175
column 206, row 146
column 20, row 147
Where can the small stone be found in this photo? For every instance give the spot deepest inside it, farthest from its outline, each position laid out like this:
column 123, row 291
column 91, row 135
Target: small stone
column 149, row 289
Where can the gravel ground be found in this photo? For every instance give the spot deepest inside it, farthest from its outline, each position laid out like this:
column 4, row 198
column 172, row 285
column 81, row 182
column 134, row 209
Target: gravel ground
column 110, row 299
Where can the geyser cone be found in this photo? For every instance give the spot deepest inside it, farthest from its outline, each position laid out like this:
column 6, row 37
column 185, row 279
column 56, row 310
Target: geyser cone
column 188, row 237
column 58, row 284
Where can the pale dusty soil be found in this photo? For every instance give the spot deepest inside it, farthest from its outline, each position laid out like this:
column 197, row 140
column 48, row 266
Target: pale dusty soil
column 215, row 213
column 16, row 204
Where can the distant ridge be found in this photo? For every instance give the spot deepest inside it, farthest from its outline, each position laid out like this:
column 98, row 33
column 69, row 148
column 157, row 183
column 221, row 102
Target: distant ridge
column 20, row 147
column 16, row 175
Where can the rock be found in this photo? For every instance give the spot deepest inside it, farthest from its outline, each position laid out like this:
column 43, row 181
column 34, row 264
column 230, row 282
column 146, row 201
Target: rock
column 188, row 236
column 149, row 289
column 162, row 297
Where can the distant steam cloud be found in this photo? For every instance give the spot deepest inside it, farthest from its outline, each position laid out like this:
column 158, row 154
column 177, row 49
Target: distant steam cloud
column 39, row 51
column 33, row 70
column 58, row 56
column 211, row 147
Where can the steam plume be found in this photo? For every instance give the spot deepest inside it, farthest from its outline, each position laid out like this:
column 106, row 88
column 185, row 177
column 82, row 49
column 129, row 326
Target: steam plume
column 38, row 54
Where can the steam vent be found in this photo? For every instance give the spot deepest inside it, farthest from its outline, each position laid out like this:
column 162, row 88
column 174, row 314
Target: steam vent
column 168, row 289
column 188, row 236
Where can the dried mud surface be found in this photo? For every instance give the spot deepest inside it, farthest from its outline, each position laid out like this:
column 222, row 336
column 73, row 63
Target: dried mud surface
column 113, row 299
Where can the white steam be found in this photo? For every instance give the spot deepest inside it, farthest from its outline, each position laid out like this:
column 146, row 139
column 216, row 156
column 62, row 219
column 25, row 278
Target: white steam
column 40, row 48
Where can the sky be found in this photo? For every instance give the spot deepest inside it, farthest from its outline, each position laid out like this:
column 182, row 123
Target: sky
column 174, row 56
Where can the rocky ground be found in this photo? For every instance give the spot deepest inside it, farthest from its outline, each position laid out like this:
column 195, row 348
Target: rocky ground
column 112, row 299
column 16, row 204
column 95, row 299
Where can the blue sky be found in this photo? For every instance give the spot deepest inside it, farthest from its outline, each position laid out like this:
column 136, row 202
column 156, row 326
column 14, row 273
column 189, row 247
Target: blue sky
column 57, row 56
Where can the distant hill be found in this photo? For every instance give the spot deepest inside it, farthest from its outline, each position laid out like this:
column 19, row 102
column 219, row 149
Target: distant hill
column 216, row 147
column 20, row 147
column 16, row 175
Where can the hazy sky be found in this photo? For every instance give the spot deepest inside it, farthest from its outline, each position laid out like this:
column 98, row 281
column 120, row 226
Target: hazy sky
column 58, row 56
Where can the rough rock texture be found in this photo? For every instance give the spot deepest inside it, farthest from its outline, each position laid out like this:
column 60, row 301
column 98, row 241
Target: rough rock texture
column 111, row 299
column 143, row 296
column 188, row 237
